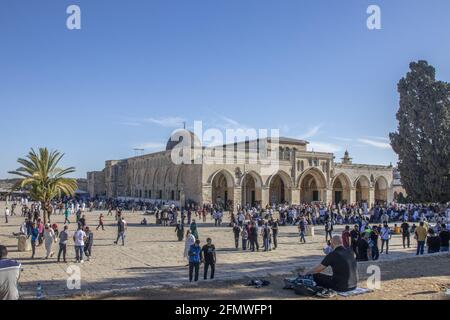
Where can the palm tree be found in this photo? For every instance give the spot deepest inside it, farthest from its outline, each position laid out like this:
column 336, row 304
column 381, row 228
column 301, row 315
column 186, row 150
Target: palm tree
column 41, row 175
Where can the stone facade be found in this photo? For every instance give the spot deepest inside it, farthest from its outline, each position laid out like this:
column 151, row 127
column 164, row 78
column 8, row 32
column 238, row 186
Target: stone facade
column 244, row 177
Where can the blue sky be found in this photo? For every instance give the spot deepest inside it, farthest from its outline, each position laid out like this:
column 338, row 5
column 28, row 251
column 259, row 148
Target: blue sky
column 139, row 68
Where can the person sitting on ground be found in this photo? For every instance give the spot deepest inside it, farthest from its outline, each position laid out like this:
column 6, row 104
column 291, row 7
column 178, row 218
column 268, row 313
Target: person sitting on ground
column 344, row 268
column 144, row 222
column 9, row 276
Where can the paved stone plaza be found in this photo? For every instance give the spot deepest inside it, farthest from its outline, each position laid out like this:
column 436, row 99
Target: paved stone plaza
column 153, row 256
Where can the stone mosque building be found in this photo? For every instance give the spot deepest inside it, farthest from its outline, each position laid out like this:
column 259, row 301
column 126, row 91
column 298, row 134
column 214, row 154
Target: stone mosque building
column 301, row 176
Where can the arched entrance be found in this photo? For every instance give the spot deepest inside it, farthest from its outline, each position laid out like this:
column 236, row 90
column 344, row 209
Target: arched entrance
column 277, row 191
column 362, row 189
column 341, row 189
column 312, row 187
column 381, row 188
column 279, row 186
column 222, row 189
column 251, row 189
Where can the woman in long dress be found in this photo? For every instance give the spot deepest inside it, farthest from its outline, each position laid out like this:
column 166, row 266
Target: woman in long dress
column 49, row 239
column 190, row 241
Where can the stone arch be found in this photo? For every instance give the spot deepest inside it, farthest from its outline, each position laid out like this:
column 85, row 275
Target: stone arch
column 283, row 175
column 181, row 177
column 222, row 188
column 381, row 187
column 158, row 183
column 169, row 183
column 341, row 188
column 280, row 186
column 255, row 176
column 313, row 185
column 362, row 186
column 251, row 188
column 226, row 173
column 180, row 185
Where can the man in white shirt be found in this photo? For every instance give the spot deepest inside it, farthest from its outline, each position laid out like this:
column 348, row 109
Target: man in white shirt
column 79, row 238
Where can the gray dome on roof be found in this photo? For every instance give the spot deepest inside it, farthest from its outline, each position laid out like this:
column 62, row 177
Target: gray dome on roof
column 179, row 136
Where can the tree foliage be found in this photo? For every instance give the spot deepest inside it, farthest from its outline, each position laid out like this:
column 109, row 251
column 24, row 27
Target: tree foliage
column 423, row 138
column 41, row 175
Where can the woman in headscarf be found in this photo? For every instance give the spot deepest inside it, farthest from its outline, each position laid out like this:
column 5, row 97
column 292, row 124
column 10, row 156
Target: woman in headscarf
column 49, row 239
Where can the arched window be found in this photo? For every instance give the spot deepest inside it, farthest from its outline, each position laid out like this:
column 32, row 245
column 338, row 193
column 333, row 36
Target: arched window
column 287, row 154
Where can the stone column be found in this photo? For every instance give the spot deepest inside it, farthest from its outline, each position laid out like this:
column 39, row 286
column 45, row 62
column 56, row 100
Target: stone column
column 390, row 195
column 264, row 196
column 371, row 199
column 237, row 197
column 329, row 196
column 207, row 194
column 352, row 195
column 295, row 196
column 182, row 198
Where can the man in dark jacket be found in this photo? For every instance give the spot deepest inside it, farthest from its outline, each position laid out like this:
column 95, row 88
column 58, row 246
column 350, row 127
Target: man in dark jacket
column 179, row 229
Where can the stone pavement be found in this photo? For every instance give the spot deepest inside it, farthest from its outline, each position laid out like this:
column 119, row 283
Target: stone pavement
column 152, row 256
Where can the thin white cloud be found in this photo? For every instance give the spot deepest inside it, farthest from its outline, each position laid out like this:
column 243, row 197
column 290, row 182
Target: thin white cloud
column 150, row 145
column 231, row 122
column 378, row 138
column 376, row 144
column 132, row 124
column 168, row 122
column 225, row 123
column 324, row 147
column 342, row 139
column 312, row 132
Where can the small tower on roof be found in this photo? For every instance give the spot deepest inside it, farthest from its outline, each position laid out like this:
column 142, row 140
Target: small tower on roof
column 346, row 159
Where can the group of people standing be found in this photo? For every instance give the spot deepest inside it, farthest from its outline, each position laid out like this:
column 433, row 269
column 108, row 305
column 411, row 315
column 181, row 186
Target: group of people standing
column 365, row 239
column 195, row 254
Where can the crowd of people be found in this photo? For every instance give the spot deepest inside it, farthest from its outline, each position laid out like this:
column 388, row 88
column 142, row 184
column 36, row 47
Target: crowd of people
column 253, row 228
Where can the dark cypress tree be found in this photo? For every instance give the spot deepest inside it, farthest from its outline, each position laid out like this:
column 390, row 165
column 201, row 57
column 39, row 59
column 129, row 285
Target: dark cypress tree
column 423, row 138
